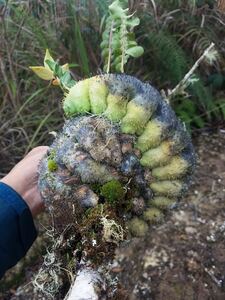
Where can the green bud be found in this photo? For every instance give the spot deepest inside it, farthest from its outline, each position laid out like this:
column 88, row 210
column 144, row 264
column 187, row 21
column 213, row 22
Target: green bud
column 98, row 92
column 162, row 202
column 77, row 100
column 138, row 227
column 168, row 188
column 176, row 168
column 153, row 215
column 116, row 108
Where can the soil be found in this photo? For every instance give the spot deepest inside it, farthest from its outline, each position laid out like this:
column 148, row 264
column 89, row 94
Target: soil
column 181, row 259
column 184, row 258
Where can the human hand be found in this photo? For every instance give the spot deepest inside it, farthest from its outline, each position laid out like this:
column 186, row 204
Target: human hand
column 23, row 179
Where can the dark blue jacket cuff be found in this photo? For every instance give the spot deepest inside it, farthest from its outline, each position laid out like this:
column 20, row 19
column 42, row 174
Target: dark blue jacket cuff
column 17, row 230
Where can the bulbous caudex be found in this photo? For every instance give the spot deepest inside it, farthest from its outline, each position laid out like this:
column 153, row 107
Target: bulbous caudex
column 122, row 154
column 116, row 123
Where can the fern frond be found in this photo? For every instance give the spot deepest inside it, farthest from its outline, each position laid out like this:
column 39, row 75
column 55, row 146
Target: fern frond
column 167, row 57
column 203, row 96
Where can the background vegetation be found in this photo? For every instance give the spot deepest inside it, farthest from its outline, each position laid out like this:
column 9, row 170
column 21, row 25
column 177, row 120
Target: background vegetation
column 174, row 34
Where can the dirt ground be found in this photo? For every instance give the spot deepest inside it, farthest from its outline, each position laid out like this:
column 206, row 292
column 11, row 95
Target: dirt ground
column 181, row 259
column 184, row 258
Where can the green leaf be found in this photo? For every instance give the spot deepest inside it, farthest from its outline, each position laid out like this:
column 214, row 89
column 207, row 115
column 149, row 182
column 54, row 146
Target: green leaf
column 118, row 39
column 133, row 22
column 65, row 78
column 51, row 64
column 43, row 72
column 136, row 51
column 47, row 57
column 73, row 65
column 199, row 121
column 116, row 9
column 221, row 106
column 58, row 71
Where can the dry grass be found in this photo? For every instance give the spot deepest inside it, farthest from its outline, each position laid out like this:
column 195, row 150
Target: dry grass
column 29, row 109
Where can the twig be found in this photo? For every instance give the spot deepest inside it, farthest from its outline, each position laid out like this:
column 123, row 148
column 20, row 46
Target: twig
column 183, row 83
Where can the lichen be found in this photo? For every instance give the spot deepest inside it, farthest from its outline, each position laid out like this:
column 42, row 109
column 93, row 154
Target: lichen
column 112, row 231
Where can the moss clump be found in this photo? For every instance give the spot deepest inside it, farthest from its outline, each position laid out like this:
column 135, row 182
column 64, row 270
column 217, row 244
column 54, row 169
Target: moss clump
column 96, row 188
column 100, row 225
column 52, row 165
column 113, row 192
column 94, row 213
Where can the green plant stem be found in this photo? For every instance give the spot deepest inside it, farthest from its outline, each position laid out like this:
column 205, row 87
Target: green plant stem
column 110, row 47
column 123, row 29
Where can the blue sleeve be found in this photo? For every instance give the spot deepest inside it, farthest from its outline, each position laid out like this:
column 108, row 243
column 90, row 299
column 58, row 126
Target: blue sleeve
column 17, row 230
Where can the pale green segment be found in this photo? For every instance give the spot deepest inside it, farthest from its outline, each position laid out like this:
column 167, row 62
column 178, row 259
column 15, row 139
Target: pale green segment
column 138, row 227
column 116, row 107
column 151, row 137
column 152, row 215
column 167, row 188
column 135, row 118
column 157, row 156
column 77, row 100
column 98, row 92
column 176, row 168
column 162, row 202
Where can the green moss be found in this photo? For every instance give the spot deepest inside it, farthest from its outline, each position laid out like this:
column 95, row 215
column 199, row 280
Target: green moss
column 127, row 205
column 52, row 165
column 96, row 187
column 112, row 191
column 95, row 212
column 91, row 228
column 71, row 263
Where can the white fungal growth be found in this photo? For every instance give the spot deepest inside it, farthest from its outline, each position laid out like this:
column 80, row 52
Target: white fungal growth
column 87, row 285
